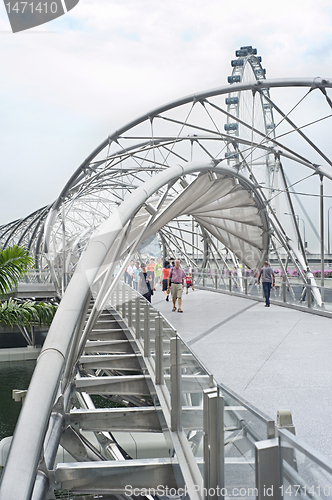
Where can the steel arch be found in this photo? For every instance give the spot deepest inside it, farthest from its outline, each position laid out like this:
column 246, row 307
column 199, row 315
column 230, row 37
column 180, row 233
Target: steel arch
column 114, row 240
column 123, row 161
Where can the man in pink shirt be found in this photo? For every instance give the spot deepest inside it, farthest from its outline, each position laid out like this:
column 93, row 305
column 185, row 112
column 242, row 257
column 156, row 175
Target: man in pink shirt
column 175, row 283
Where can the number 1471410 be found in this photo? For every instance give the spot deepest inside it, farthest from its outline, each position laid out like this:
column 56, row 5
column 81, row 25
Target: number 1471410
column 32, row 7
column 294, row 490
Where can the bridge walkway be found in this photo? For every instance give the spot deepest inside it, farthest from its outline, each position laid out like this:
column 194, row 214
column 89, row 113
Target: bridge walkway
column 276, row 358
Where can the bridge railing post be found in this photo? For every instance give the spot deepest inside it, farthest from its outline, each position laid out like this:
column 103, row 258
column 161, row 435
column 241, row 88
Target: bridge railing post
column 123, row 300
column 159, row 349
column 213, row 428
column 176, row 391
column 117, row 304
column 267, row 469
column 146, row 332
column 308, row 295
column 138, row 317
column 130, row 310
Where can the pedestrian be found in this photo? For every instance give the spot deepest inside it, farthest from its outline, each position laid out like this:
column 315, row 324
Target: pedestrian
column 126, row 275
column 190, row 282
column 144, row 284
column 175, row 283
column 130, row 272
column 157, row 272
column 150, row 272
column 164, row 276
column 268, row 281
column 137, row 271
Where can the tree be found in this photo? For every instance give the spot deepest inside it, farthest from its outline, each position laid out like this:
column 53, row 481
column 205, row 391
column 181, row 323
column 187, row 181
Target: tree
column 15, row 262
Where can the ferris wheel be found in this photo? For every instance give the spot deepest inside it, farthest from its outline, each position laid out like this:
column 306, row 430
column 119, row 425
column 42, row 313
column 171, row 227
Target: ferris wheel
column 250, row 116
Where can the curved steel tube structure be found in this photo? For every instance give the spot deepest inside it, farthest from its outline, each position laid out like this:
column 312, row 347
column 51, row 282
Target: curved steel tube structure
column 181, row 131
column 164, row 173
column 116, row 238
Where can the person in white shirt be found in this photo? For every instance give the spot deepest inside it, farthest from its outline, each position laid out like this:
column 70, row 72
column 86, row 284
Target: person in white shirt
column 130, row 271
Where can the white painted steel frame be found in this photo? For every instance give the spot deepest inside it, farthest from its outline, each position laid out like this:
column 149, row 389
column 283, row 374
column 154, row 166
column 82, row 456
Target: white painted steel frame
column 31, row 230
column 30, row 432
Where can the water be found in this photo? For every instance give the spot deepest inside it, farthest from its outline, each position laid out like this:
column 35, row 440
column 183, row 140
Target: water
column 13, row 375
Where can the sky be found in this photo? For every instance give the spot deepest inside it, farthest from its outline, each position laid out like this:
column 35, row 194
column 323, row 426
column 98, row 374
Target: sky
column 66, row 85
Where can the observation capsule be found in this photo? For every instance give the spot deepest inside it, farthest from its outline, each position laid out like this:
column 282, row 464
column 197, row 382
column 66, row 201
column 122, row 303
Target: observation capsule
column 230, row 126
column 241, row 53
column 234, row 156
column 249, row 49
column 234, row 79
column 237, row 62
column 232, row 100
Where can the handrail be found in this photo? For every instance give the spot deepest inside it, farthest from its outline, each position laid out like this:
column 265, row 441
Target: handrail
column 307, row 450
column 243, row 286
column 125, row 300
column 287, row 471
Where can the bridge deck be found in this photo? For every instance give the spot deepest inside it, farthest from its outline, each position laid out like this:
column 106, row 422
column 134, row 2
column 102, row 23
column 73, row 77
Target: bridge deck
column 276, row 358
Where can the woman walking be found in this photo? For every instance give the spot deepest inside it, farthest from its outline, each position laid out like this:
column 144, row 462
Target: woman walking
column 144, row 284
column 164, row 276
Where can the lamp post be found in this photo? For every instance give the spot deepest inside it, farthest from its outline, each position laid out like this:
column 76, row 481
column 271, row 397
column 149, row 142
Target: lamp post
column 328, row 231
column 298, row 218
column 305, row 243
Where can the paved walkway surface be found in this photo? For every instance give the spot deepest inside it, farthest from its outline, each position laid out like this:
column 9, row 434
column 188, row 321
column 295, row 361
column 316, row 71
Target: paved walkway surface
column 276, row 358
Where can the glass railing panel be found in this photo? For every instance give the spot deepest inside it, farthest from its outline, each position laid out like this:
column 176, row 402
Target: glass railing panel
column 194, row 379
column 304, row 472
column 223, row 281
column 253, row 289
column 326, row 293
column 243, row 426
column 168, row 333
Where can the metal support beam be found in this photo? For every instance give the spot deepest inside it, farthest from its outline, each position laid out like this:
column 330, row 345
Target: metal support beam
column 138, row 419
column 134, row 385
column 121, row 476
column 79, row 447
column 111, row 362
column 116, row 346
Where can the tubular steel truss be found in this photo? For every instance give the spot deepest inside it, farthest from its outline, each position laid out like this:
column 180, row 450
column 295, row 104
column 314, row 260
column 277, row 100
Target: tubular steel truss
column 269, row 154
column 203, row 174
